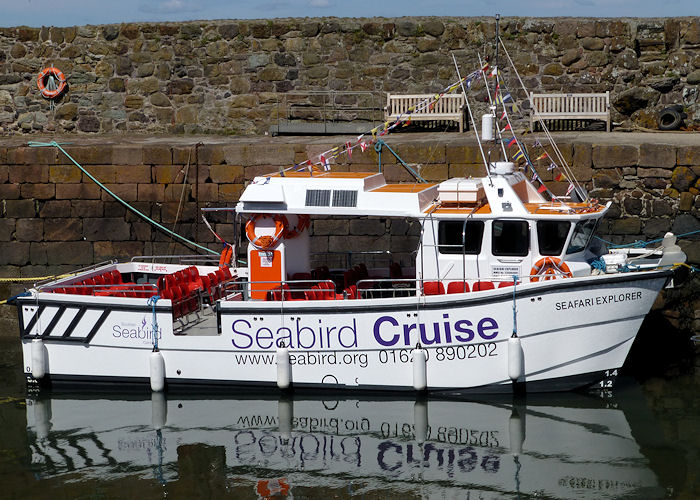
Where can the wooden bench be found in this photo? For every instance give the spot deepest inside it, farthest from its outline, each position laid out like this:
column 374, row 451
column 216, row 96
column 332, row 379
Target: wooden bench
column 570, row 107
column 449, row 107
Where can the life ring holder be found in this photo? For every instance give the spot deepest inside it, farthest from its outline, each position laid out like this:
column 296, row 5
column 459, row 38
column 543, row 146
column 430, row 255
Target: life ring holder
column 303, row 222
column 43, row 78
column 549, row 268
column 266, row 241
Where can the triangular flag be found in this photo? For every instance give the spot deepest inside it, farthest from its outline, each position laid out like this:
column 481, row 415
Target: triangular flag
column 517, row 156
column 571, row 188
column 309, row 166
column 507, row 127
column 348, row 150
column 503, row 115
column 363, row 146
column 542, row 156
column 559, row 177
column 324, row 162
column 512, row 141
column 542, row 189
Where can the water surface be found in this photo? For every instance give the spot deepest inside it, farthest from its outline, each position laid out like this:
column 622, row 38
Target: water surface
column 640, row 441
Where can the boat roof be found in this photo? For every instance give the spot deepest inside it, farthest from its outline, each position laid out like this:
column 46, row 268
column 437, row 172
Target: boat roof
column 368, row 194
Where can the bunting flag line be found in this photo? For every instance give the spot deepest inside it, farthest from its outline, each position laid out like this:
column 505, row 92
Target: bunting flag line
column 512, row 141
column 326, row 164
column 560, row 177
column 504, row 115
column 570, row 188
column 518, row 156
column 348, row 150
column 507, row 127
column 542, row 189
column 542, row 156
column 551, row 166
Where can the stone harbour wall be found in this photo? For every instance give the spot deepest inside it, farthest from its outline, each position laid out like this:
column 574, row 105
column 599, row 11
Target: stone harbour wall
column 227, row 77
column 54, row 219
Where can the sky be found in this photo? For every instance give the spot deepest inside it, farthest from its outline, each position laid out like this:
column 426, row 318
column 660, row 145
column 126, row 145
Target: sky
column 80, row 12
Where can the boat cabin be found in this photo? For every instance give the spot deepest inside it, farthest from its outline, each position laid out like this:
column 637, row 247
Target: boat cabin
column 475, row 234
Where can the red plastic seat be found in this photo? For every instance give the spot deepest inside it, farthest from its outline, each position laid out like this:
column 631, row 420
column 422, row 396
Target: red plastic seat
column 457, row 287
column 351, row 292
column 116, row 276
column 504, row 284
column 482, row 285
column 433, row 288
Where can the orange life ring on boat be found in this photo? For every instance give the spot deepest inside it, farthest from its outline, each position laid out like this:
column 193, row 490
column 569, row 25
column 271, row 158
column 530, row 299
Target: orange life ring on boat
column 266, row 241
column 226, row 254
column 303, row 222
column 46, row 73
column 268, row 488
column 549, row 268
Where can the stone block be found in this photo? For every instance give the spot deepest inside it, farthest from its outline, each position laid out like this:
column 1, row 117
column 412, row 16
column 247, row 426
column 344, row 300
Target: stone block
column 682, row 178
column 104, row 228
column 14, row 253
column 38, row 191
column 63, row 229
column 357, row 243
column 9, row 191
column 655, row 228
column 7, row 228
column 20, row 209
column 688, row 155
column 176, row 192
column 85, row 155
column 226, row 174
column 419, row 152
column 657, row 155
column 55, row 208
column 467, row 170
column 134, row 174
column 126, row 155
column 330, row 227
column 175, row 212
column 150, row 192
column 397, row 174
column 77, row 253
column 65, row 174
column 157, row 155
column 660, row 173
column 29, row 173
column 168, row 174
column 29, row 230
column 230, row 193
column 463, row 154
column 211, row 154
column 686, row 201
column 115, row 209
column 87, row 208
column 31, row 155
column 432, row 172
column 127, row 192
column 628, row 225
column 206, row 192
column 685, row 223
column 367, row 227
column 260, row 154
column 606, row 156
column 122, row 250
column 78, row 191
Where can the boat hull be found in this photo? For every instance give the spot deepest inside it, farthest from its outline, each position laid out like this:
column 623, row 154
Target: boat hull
column 572, row 332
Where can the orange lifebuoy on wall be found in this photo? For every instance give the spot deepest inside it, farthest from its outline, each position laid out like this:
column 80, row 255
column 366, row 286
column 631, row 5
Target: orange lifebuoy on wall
column 303, row 222
column 549, row 268
column 266, row 241
column 51, row 74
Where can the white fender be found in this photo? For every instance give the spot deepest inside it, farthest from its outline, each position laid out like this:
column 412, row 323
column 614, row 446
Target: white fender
column 42, row 418
column 284, row 368
column 516, row 368
column 420, row 370
column 516, row 433
column 38, row 359
column 487, row 127
column 420, row 421
column 157, row 365
column 159, row 410
column 285, row 414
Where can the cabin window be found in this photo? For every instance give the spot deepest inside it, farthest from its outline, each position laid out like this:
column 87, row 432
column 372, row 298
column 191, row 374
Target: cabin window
column 582, row 235
column 510, row 238
column 450, row 236
column 551, row 236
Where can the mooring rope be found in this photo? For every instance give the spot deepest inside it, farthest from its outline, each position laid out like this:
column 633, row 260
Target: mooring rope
column 113, row 195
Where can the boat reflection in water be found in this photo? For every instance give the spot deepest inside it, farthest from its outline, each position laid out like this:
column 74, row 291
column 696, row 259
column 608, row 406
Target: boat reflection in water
column 563, row 446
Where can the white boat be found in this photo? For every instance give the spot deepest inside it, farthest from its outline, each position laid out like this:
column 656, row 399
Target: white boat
column 553, row 448
column 501, row 289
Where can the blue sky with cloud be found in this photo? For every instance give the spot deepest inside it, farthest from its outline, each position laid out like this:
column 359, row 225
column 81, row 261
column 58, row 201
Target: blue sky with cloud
column 78, row 12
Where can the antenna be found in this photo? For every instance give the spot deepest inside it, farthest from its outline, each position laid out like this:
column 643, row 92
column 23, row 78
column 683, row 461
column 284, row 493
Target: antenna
column 495, row 65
